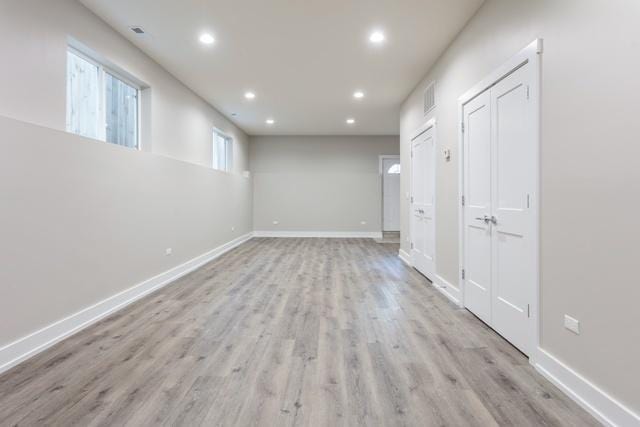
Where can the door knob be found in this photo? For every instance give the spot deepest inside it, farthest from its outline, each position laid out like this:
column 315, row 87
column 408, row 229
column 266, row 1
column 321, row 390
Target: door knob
column 494, row 220
column 486, row 219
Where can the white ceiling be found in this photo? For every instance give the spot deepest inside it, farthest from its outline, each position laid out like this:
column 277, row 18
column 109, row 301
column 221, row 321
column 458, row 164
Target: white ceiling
column 302, row 58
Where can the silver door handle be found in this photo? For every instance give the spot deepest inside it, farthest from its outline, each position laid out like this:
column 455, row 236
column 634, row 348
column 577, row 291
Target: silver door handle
column 494, row 220
column 486, row 219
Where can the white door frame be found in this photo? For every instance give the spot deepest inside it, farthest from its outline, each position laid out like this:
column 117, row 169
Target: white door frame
column 381, row 160
column 431, row 123
column 529, row 55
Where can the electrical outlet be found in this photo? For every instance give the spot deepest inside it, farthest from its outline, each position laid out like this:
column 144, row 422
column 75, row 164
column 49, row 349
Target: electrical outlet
column 276, row 222
column 168, row 251
column 572, row 324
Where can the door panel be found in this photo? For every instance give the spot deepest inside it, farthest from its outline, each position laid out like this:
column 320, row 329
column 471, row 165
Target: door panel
column 477, row 161
column 423, row 189
column 513, row 154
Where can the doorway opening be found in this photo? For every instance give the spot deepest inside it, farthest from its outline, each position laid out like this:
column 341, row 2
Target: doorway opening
column 390, row 171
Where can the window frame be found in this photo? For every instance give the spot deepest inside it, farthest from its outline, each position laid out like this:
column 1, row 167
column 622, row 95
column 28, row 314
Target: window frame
column 228, row 150
column 103, row 70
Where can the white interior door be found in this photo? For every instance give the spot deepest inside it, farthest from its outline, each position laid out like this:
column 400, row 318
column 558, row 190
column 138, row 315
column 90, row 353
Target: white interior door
column 422, row 205
column 477, row 209
column 391, row 193
column 513, row 181
column 499, row 222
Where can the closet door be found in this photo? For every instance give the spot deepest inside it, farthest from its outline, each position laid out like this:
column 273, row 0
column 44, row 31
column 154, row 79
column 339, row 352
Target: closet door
column 499, row 217
column 513, row 178
column 477, row 209
column 423, row 193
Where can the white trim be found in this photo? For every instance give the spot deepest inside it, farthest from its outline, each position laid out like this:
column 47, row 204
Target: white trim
column 381, row 159
column 447, row 289
column 422, row 129
column 32, row 344
column 321, row 234
column 529, row 55
column 404, row 256
column 598, row 403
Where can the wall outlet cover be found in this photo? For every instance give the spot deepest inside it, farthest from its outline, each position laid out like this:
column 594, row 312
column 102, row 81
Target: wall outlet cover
column 572, row 324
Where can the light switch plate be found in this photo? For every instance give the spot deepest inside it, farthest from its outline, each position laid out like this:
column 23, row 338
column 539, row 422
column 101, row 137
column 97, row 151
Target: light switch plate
column 572, row 324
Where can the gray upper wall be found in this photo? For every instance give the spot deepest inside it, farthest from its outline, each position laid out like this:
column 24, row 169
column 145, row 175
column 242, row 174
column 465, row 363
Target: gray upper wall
column 590, row 177
column 34, row 35
column 317, row 183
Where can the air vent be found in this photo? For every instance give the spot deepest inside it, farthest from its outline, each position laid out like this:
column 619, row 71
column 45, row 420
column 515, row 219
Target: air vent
column 430, row 98
column 137, row 30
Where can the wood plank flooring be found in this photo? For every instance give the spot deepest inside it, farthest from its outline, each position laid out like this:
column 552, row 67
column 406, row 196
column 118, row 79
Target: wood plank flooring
column 282, row 332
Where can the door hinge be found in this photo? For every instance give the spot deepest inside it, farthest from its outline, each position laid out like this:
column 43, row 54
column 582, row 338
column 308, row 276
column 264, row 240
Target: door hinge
column 528, row 310
column 411, row 245
column 462, row 126
column 412, row 154
column 411, row 199
column 527, row 91
column 463, row 274
column 462, row 200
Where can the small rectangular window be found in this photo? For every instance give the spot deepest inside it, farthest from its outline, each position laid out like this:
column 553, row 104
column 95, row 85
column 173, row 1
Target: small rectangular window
column 100, row 105
column 222, row 152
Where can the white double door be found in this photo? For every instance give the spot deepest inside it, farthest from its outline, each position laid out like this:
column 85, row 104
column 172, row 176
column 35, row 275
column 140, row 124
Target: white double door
column 422, row 202
column 499, row 222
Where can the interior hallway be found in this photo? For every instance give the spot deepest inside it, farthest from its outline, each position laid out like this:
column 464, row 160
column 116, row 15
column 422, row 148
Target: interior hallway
column 288, row 332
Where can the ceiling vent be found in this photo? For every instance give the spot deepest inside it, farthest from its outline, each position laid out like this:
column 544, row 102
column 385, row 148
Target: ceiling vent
column 137, row 30
column 430, row 98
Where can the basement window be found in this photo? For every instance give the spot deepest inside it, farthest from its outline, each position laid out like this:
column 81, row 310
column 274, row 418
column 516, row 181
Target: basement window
column 222, row 151
column 100, row 103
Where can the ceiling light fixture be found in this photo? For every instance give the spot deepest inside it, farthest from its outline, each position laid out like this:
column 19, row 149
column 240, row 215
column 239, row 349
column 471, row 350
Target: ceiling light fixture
column 269, row 121
column 377, row 37
column 358, row 94
column 351, row 121
column 250, row 95
column 207, row 38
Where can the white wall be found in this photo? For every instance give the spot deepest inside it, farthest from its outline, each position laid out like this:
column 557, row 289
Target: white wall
column 82, row 220
column 34, row 35
column 312, row 183
column 590, row 174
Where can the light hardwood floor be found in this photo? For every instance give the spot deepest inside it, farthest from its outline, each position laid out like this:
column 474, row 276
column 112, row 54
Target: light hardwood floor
column 279, row 332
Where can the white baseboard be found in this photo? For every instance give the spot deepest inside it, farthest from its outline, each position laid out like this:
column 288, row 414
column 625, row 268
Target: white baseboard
column 32, row 344
column 448, row 290
column 406, row 257
column 598, row 403
column 322, row 234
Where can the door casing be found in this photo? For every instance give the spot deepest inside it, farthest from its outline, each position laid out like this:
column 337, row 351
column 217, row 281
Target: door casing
column 529, row 55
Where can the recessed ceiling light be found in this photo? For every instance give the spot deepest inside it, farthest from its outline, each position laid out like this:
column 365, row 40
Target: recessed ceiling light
column 207, row 38
column 250, row 95
column 351, row 121
column 358, row 94
column 377, row 37
column 269, row 121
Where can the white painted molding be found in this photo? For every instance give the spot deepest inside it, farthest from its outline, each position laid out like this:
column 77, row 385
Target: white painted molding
column 32, row 344
column 404, row 256
column 321, row 234
column 448, row 290
column 598, row 403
